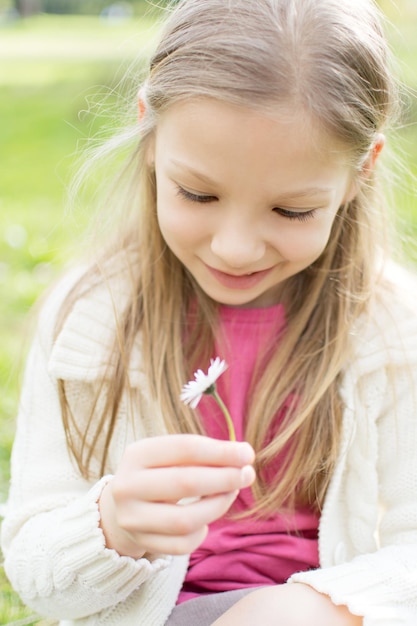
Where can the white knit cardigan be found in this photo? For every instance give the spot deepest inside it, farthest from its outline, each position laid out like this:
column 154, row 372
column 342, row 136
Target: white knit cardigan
column 54, row 550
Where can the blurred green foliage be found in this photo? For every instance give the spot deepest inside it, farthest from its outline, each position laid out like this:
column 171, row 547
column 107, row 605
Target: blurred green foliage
column 53, row 71
column 80, row 7
column 57, row 69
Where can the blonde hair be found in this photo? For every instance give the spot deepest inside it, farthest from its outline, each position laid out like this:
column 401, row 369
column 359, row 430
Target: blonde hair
column 326, row 58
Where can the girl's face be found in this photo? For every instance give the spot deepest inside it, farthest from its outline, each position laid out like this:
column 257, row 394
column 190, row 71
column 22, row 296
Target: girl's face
column 245, row 201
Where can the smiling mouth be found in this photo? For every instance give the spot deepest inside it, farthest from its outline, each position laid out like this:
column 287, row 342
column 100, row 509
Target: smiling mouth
column 239, row 281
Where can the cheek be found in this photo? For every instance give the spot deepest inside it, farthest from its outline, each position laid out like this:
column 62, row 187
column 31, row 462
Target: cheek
column 180, row 223
column 169, row 218
column 304, row 241
column 179, row 227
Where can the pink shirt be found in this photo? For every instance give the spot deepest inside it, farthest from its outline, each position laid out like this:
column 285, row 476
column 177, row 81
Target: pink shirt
column 248, row 552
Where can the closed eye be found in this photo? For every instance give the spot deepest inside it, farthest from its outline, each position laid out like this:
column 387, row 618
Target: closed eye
column 302, row 216
column 195, row 197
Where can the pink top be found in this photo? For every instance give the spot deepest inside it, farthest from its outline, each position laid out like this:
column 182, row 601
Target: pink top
column 248, row 552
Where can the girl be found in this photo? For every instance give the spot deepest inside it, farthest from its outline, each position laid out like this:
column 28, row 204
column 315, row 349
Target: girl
column 253, row 232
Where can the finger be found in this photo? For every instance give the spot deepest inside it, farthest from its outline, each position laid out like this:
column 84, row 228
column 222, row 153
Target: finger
column 173, row 520
column 175, row 483
column 173, row 545
column 190, row 450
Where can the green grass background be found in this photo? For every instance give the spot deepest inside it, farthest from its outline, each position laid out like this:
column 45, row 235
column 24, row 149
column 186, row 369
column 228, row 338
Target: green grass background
column 52, row 72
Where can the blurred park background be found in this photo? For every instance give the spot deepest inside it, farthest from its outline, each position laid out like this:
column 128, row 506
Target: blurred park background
column 58, row 59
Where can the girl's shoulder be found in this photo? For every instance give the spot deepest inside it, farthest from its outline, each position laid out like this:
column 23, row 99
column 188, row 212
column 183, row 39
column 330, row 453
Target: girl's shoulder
column 395, row 304
column 387, row 333
column 79, row 316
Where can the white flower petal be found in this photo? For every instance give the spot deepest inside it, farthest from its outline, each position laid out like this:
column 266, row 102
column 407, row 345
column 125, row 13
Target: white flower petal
column 193, row 390
column 191, row 394
column 216, row 369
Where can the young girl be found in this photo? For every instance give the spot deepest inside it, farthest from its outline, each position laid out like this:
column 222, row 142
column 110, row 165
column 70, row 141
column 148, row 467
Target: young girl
column 253, row 232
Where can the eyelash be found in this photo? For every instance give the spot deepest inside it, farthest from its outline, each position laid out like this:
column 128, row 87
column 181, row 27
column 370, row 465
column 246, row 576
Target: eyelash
column 290, row 215
column 193, row 197
column 301, row 216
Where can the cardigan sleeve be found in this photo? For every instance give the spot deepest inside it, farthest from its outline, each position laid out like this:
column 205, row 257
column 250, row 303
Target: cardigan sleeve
column 55, row 554
column 380, row 583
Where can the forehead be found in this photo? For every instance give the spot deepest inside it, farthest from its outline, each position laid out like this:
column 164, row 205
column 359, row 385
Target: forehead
column 244, row 146
column 211, row 123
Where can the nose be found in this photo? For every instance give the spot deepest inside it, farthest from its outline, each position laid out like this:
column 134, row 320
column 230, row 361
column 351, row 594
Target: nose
column 237, row 244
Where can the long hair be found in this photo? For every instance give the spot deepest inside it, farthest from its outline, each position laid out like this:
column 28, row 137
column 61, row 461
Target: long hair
column 330, row 60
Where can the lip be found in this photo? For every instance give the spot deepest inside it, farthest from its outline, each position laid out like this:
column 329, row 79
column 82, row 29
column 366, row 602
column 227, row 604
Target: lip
column 238, row 281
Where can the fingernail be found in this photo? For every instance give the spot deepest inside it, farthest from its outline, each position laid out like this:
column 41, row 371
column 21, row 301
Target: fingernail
column 246, row 453
column 247, row 476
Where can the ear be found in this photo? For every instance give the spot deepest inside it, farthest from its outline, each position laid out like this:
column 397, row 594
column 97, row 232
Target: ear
column 141, row 109
column 371, row 159
column 367, row 167
column 141, row 104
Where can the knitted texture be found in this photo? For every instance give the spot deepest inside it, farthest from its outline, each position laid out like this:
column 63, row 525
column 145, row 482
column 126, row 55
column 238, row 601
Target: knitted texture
column 55, row 553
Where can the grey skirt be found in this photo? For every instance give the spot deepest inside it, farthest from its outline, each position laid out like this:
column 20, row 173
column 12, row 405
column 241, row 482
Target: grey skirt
column 204, row 610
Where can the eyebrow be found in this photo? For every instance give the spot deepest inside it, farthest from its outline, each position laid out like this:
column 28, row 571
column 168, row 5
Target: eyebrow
column 308, row 191
column 193, row 172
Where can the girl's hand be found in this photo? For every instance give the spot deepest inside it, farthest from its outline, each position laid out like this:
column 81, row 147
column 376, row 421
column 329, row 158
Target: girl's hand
column 293, row 604
column 141, row 509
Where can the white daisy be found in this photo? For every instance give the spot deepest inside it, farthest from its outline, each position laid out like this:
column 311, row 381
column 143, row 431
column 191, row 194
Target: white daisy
column 193, row 391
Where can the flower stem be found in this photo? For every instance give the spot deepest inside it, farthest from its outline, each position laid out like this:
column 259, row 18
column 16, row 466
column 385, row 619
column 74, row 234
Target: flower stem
column 230, row 427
